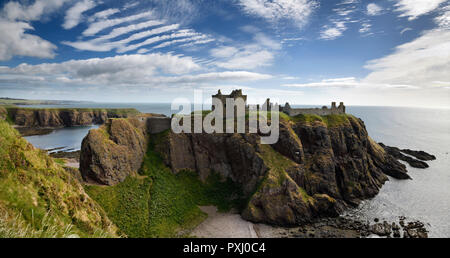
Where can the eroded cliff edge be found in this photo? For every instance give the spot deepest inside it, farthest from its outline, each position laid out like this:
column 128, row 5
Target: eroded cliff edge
column 63, row 117
column 320, row 165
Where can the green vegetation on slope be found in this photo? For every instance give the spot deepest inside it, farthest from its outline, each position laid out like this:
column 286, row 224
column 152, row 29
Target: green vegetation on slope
column 329, row 120
column 278, row 165
column 38, row 198
column 159, row 203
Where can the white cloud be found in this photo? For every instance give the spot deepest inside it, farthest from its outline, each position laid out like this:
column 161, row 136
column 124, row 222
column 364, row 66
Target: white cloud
column 297, row 11
column 156, row 39
column 346, row 82
column 15, row 24
column 443, row 20
column 16, row 42
column 74, row 14
column 333, row 32
column 365, row 28
column 103, row 14
column 259, row 53
column 267, row 42
column 145, row 70
column 96, row 27
column 339, row 20
column 419, row 62
column 236, row 76
column 121, row 68
column 405, row 30
column 223, row 52
column 350, row 83
column 374, row 9
column 102, row 45
column 33, row 12
column 247, row 59
column 116, row 32
column 196, row 40
column 415, row 8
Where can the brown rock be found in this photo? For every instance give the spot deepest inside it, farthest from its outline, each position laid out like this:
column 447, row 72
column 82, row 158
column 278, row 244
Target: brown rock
column 45, row 118
column 109, row 154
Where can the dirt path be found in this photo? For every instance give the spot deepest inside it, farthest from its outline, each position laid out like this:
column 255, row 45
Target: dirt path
column 231, row 225
column 73, row 163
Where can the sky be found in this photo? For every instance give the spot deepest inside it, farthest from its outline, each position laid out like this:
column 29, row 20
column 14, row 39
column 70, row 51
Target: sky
column 362, row 52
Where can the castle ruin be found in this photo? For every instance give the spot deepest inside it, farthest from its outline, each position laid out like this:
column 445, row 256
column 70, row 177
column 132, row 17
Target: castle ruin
column 324, row 111
column 235, row 94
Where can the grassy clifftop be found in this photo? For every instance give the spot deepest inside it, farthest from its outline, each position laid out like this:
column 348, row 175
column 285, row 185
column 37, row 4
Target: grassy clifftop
column 38, row 198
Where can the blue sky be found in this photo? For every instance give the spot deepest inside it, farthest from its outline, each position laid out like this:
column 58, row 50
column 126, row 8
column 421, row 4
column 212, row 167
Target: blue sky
column 363, row 52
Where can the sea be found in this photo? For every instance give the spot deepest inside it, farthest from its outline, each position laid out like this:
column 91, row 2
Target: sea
column 426, row 197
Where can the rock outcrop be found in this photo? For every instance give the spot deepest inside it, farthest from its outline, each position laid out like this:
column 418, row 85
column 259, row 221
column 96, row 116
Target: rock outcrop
column 114, row 151
column 417, row 162
column 315, row 170
column 52, row 118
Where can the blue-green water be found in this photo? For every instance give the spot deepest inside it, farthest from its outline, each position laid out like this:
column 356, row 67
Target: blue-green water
column 426, row 197
column 65, row 139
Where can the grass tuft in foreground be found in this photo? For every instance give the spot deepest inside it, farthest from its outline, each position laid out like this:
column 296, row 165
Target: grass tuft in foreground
column 38, row 198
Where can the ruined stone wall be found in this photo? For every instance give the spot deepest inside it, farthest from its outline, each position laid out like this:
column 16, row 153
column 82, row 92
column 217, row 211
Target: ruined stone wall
column 158, row 124
column 313, row 111
column 324, row 111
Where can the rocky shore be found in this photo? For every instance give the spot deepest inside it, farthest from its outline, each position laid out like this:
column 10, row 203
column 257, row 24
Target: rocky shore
column 418, row 159
column 343, row 227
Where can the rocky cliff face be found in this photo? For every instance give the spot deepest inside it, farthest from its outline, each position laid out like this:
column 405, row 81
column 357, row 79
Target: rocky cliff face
column 29, row 117
column 114, row 151
column 316, row 169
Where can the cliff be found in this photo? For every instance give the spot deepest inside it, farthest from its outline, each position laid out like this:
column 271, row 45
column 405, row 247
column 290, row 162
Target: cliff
column 64, row 117
column 38, row 198
column 114, row 151
column 319, row 166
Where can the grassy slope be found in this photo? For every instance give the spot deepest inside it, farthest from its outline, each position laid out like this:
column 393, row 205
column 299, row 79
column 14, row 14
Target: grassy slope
column 38, row 198
column 329, row 120
column 159, row 203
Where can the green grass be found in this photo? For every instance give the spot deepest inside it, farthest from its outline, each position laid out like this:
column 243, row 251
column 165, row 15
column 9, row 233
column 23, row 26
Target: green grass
column 159, row 203
column 329, row 120
column 126, row 204
column 59, row 161
column 40, row 196
column 278, row 165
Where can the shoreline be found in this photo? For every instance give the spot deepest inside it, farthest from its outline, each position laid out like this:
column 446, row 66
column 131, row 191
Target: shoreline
column 231, row 225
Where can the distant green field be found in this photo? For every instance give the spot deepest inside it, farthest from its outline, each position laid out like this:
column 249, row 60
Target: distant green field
column 119, row 111
column 9, row 101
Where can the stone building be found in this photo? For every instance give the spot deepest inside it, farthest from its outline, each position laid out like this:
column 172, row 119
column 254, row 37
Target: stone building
column 235, row 94
column 324, row 111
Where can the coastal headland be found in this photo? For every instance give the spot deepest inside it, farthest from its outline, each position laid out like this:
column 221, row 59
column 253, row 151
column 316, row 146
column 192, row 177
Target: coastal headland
column 151, row 182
